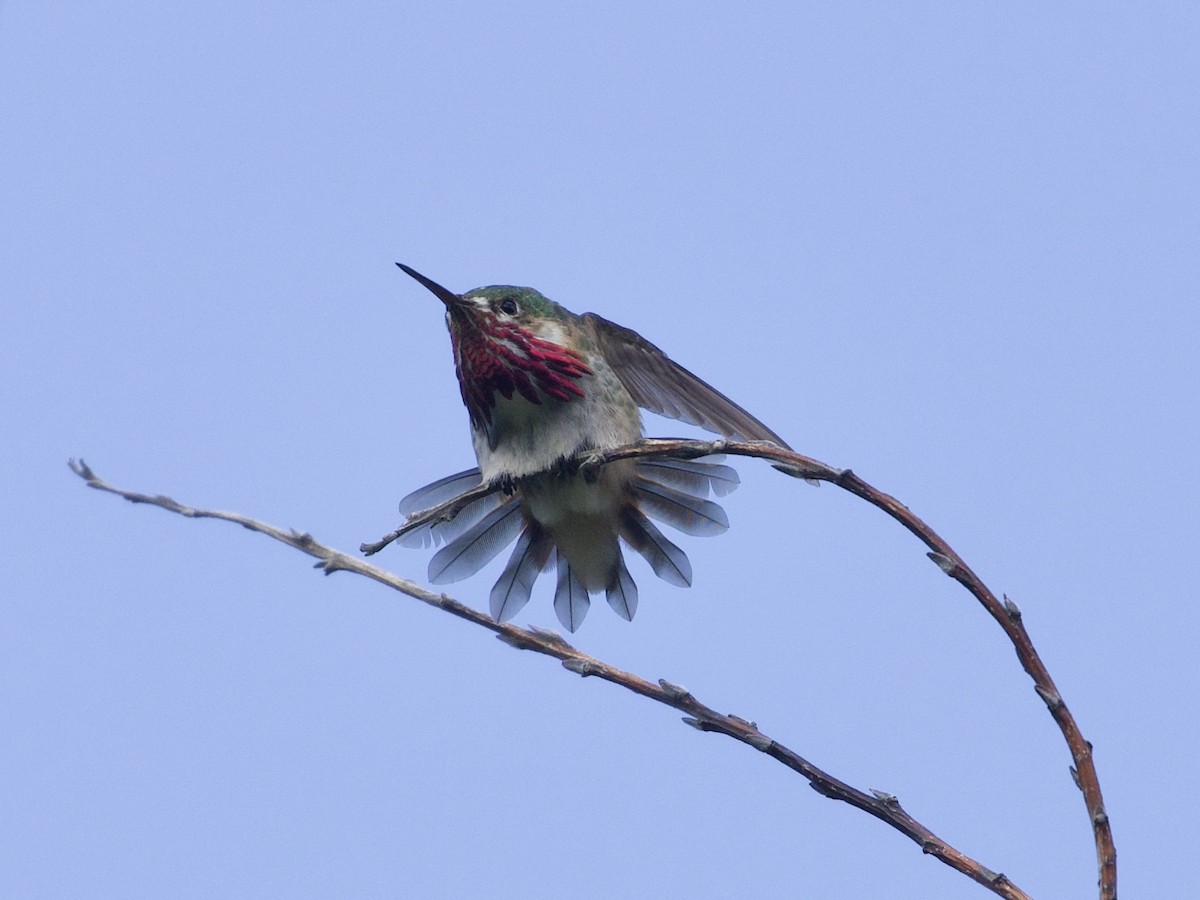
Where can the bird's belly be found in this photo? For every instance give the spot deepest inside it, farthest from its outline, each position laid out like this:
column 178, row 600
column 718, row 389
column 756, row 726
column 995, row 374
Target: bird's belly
column 525, row 438
column 582, row 518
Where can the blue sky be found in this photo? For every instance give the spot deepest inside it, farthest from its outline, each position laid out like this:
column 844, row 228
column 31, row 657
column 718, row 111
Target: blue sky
column 952, row 247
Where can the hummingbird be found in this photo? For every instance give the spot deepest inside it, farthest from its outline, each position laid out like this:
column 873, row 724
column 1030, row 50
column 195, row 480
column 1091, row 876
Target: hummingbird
column 541, row 385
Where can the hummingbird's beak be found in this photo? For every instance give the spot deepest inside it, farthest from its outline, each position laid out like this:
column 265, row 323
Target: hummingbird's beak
column 450, row 298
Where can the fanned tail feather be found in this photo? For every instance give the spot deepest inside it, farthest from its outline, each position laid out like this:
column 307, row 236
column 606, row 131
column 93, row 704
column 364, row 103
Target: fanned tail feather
column 479, row 545
column 622, row 594
column 691, row 515
column 571, row 600
column 668, row 561
column 431, row 534
column 671, row 490
column 440, row 491
column 511, row 591
column 692, row 476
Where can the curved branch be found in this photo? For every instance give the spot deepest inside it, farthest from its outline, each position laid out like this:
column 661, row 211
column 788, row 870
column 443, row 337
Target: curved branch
column 1006, row 612
column 882, row 805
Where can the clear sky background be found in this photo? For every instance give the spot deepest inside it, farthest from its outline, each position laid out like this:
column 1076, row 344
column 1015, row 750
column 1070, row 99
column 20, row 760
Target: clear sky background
column 954, row 247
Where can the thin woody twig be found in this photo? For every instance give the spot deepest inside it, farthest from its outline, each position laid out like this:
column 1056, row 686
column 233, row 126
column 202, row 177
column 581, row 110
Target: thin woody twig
column 882, row 805
column 443, row 512
column 1006, row 613
column 678, row 448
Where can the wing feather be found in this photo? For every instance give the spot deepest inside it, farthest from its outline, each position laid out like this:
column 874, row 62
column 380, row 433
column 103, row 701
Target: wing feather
column 660, row 385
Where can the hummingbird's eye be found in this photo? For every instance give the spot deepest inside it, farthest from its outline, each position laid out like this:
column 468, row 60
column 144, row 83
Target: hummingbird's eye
column 508, row 306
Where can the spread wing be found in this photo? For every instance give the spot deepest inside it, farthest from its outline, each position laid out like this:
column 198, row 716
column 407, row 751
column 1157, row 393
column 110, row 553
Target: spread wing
column 667, row 388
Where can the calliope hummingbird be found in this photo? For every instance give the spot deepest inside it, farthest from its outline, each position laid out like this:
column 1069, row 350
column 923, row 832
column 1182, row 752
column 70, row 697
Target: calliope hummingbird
column 541, row 385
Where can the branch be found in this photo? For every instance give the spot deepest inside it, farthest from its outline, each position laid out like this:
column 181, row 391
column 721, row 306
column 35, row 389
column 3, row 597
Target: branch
column 1006, row 613
column 443, row 512
column 676, row 448
column 882, row 805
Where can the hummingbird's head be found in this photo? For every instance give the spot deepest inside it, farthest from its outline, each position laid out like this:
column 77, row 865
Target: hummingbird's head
column 508, row 339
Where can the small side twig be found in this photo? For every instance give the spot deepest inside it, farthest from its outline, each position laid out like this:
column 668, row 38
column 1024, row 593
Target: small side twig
column 443, row 512
column 880, row 804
